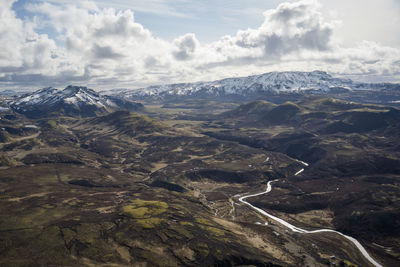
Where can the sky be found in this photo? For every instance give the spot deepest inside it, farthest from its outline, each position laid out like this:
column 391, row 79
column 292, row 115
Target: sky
column 108, row 44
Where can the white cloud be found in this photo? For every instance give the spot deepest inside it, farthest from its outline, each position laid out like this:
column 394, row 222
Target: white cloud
column 365, row 20
column 23, row 50
column 159, row 7
column 296, row 36
column 11, row 36
column 104, row 44
column 289, row 28
column 104, row 47
column 185, row 46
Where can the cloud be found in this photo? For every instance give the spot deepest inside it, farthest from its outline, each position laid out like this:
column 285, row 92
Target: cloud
column 290, row 28
column 365, row 20
column 98, row 42
column 104, row 47
column 21, row 48
column 296, row 36
column 104, row 52
column 186, row 46
column 169, row 8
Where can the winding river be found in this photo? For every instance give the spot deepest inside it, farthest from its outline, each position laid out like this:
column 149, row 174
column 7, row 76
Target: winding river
column 303, row 231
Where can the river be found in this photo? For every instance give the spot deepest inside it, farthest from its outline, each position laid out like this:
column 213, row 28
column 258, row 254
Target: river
column 303, row 231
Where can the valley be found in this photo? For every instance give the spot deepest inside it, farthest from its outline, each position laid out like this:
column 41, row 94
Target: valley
column 199, row 133
column 189, row 183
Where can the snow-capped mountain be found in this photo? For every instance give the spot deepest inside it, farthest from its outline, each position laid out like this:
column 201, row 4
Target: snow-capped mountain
column 70, row 95
column 73, row 100
column 273, row 82
column 275, row 87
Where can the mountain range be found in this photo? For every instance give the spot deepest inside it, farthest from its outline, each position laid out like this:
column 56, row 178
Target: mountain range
column 259, row 86
column 276, row 87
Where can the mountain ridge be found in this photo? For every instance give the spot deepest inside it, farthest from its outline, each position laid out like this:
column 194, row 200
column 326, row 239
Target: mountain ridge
column 73, row 100
column 272, row 82
column 275, row 87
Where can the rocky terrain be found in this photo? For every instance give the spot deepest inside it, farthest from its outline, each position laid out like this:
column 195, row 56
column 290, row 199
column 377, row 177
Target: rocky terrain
column 94, row 180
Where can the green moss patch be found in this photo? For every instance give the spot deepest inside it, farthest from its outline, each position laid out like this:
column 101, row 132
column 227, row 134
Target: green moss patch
column 146, row 213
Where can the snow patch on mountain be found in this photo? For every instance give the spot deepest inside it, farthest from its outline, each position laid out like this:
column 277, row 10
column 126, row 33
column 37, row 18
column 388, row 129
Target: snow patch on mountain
column 72, row 101
column 274, row 82
column 73, row 95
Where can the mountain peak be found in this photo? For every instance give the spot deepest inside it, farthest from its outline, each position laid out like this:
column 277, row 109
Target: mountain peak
column 320, row 72
column 79, row 94
column 73, row 100
column 76, row 89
